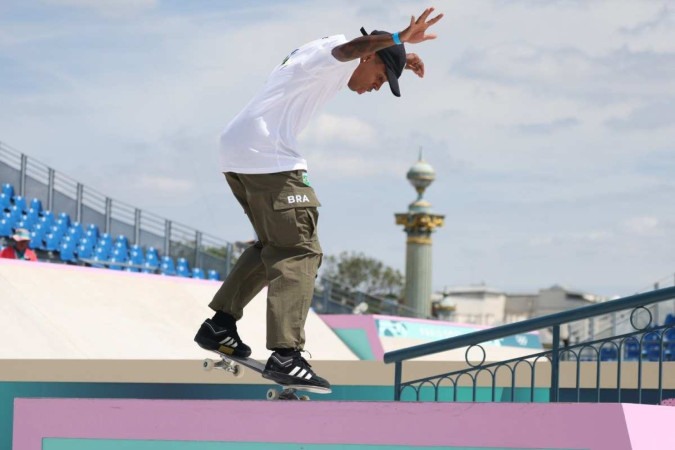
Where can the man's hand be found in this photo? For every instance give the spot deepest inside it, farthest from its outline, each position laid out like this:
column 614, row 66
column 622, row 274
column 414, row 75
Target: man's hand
column 415, row 63
column 416, row 31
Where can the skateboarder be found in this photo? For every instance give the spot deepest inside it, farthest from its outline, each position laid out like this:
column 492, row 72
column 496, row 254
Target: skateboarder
column 268, row 177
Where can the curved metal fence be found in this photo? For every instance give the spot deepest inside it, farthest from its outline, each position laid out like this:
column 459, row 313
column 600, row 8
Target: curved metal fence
column 637, row 366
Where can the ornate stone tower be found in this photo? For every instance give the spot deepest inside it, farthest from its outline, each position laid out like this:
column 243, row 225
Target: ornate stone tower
column 418, row 223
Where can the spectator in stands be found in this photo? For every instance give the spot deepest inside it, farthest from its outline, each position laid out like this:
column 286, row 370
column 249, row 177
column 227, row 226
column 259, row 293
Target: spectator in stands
column 268, row 177
column 18, row 248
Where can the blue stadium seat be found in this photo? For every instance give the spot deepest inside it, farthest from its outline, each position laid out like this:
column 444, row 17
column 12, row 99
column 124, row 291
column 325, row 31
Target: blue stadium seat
column 670, row 320
column 118, row 255
column 608, row 353
column 37, row 235
column 92, row 231
column 182, row 268
column 67, row 249
column 167, row 266
column 670, row 351
column 15, row 213
column 198, row 273
column 631, row 350
column 85, row 248
column 76, row 231
column 100, row 256
column 36, row 204
column 47, row 217
column 105, row 241
column 64, row 217
column 20, row 202
column 8, row 190
column 151, row 260
column 6, row 227
column 136, row 255
column 53, row 240
column 31, row 218
column 652, row 351
column 35, row 240
column 652, row 336
column 122, row 242
column 213, row 275
column 5, row 201
column 669, row 335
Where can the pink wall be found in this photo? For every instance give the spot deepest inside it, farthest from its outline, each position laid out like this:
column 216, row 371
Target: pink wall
column 579, row 426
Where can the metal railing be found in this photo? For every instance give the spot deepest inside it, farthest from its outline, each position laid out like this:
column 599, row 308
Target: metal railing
column 334, row 298
column 60, row 193
column 647, row 341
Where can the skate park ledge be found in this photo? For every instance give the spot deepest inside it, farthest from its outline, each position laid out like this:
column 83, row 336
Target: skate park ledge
column 104, row 424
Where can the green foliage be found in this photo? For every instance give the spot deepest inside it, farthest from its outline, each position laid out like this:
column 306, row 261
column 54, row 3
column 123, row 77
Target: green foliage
column 360, row 272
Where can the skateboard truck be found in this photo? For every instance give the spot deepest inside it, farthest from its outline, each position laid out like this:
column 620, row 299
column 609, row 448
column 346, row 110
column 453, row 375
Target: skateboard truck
column 236, row 368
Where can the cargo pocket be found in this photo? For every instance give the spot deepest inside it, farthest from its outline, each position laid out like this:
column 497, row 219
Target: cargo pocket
column 295, row 217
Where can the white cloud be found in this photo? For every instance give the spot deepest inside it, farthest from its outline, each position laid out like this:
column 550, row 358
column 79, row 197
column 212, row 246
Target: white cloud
column 645, row 226
column 109, row 8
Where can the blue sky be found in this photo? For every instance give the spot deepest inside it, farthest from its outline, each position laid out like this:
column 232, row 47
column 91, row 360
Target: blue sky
column 551, row 125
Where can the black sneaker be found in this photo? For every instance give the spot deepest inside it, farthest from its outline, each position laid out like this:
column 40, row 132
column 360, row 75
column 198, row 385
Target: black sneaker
column 212, row 336
column 294, row 370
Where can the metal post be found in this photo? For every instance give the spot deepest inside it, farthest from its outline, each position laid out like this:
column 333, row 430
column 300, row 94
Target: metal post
column 78, row 199
column 50, row 189
column 555, row 364
column 198, row 246
column 167, row 237
column 229, row 254
column 22, row 179
column 108, row 214
column 327, row 288
column 398, row 368
column 591, row 328
column 137, row 227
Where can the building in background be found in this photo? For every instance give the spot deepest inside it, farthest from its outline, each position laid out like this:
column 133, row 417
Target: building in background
column 482, row 305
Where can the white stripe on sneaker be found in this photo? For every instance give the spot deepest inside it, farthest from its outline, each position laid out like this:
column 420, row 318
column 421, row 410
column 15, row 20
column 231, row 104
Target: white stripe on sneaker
column 302, row 374
column 295, row 370
column 309, row 375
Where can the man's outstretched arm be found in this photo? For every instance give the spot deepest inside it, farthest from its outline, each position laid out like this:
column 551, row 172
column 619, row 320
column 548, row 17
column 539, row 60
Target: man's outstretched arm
column 366, row 45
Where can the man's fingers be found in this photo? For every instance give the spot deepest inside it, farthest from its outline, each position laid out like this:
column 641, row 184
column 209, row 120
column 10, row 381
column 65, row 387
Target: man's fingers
column 429, row 36
column 425, row 14
column 435, row 19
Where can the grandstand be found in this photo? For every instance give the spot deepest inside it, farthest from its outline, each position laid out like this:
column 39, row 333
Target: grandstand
column 73, row 224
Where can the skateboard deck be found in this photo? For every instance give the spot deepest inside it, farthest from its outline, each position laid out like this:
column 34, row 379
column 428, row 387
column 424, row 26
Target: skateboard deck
column 235, row 365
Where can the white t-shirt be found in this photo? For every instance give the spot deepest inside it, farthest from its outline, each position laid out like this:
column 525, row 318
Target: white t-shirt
column 262, row 138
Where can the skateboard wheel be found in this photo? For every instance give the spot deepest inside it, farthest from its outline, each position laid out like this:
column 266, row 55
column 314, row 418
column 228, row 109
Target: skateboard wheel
column 272, row 394
column 208, row 364
column 237, row 371
column 304, row 397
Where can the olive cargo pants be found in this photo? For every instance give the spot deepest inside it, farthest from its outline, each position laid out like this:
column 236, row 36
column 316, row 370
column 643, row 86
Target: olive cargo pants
column 286, row 258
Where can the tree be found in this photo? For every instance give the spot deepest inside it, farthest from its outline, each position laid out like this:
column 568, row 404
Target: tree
column 360, row 272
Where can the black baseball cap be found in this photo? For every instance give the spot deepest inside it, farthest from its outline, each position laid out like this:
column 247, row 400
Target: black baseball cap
column 394, row 59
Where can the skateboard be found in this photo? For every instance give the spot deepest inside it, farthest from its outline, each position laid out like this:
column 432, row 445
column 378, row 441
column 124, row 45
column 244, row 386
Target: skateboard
column 235, row 365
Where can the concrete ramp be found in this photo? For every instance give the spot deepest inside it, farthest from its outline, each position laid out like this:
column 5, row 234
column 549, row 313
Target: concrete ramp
column 85, row 424
column 58, row 311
